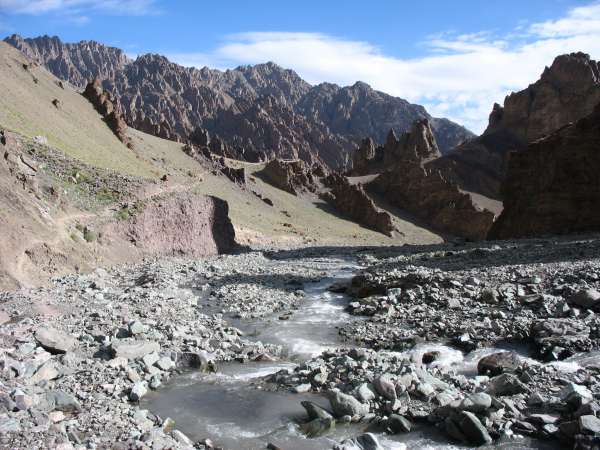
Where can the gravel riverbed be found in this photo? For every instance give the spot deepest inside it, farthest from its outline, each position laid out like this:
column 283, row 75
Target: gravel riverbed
column 491, row 344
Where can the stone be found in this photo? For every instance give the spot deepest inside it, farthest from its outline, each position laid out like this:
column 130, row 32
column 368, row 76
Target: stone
column 182, row 438
column 314, row 411
column 429, row 357
column 302, row 388
column 398, row 424
column 576, row 395
column 473, row 430
column 476, row 403
column 365, row 393
column 385, row 387
column 150, row 359
column 165, row 363
column 57, row 400
column 54, row 341
column 201, row 360
column 318, row 427
column 506, row 384
column 136, row 327
column 589, row 424
column 344, row 404
column 498, row 363
column 133, row 349
column 365, row 441
column 138, row 390
column 47, row 371
column 586, row 298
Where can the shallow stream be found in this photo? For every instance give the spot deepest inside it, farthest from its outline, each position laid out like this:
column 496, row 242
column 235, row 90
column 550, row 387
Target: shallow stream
column 233, row 412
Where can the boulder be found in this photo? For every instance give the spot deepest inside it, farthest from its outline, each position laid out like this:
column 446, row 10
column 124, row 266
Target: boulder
column 586, row 298
column 506, row 384
column 398, row 424
column 473, row 430
column 346, row 405
column 385, row 387
column 54, row 341
column 318, row 427
column 498, row 363
column 314, row 411
column 131, row 349
column 365, row 441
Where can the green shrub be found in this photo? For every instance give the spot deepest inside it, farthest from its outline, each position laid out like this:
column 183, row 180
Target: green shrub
column 106, row 195
column 89, row 235
column 124, row 213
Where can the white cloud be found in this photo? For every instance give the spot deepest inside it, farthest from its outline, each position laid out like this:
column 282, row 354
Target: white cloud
column 74, row 7
column 460, row 76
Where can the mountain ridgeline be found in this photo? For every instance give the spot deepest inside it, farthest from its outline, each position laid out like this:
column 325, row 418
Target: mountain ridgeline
column 252, row 113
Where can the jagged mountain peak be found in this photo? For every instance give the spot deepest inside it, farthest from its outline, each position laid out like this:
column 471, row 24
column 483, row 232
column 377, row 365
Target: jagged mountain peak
column 294, row 119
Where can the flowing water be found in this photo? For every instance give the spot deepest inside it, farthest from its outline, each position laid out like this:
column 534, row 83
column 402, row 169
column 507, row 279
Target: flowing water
column 235, row 413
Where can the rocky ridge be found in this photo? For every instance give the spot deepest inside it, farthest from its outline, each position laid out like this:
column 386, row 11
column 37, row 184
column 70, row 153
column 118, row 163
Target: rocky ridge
column 111, row 112
column 567, row 91
column 353, row 202
column 407, row 183
column 552, row 187
column 260, row 112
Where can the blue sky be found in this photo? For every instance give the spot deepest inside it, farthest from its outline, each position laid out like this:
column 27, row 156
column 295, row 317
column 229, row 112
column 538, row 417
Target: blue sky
column 455, row 57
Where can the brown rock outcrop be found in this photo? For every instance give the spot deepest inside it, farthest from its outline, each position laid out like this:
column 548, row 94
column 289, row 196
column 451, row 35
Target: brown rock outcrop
column 181, row 224
column 553, row 186
column 291, row 176
column 353, row 202
column 409, row 185
column 567, row 91
column 103, row 103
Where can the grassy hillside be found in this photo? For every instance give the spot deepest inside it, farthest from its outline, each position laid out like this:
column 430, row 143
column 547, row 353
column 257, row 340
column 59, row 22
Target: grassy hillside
column 75, row 129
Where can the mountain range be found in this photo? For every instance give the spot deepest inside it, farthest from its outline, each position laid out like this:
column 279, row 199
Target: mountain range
column 256, row 112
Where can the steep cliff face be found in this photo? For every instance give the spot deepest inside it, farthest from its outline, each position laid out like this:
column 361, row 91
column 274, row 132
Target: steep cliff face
column 259, row 112
column 553, row 186
column 408, row 184
column 567, row 91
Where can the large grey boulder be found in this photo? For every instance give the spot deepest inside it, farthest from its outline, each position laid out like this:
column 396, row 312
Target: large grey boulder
column 133, row 349
column 473, row 430
column 54, row 341
column 346, row 405
column 585, row 298
column 365, row 441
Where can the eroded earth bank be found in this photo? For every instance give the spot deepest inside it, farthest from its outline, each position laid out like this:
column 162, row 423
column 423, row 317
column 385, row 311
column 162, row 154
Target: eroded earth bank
column 444, row 346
